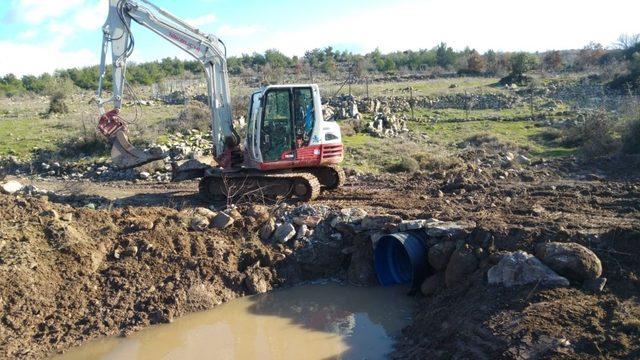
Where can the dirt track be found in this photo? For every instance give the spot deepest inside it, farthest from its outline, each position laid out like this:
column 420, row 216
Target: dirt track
column 61, row 283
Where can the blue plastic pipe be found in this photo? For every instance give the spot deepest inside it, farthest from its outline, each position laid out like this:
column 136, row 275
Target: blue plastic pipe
column 401, row 258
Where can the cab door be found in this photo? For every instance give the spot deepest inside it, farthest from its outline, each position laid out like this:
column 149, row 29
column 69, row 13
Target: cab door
column 252, row 141
column 276, row 130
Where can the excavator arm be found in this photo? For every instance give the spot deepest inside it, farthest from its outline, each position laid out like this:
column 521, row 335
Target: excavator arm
column 205, row 48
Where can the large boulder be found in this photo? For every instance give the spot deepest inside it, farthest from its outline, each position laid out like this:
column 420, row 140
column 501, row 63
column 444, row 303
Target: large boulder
column 458, row 229
column 462, row 264
column 284, row 233
column 206, row 213
column 570, row 260
column 11, row 187
column 198, row 223
column 440, row 253
column 520, row 268
column 407, row 225
column 379, row 222
column 267, row 229
column 222, row 221
column 259, row 212
column 258, row 279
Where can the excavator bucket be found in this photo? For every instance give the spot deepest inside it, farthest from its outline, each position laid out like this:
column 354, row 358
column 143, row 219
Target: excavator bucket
column 126, row 156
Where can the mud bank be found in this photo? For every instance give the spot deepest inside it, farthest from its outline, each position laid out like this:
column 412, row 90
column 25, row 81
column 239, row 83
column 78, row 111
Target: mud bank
column 69, row 274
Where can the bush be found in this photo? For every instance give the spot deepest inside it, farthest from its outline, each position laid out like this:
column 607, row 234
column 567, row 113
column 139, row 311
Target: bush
column 347, row 129
column 350, row 127
column 11, row 86
column 57, row 104
column 433, row 162
column 489, row 141
column 475, row 65
column 631, row 138
column 405, row 164
column 594, row 136
column 195, row 115
column 631, row 78
column 522, row 62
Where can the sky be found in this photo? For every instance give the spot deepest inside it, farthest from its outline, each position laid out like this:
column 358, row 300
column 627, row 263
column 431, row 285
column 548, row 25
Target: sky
column 38, row 36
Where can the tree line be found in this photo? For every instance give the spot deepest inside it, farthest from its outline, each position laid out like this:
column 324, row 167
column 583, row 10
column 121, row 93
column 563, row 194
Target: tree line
column 272, row 65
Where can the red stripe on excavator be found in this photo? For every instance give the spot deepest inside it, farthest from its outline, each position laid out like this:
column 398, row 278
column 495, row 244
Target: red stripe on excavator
column 324, row 154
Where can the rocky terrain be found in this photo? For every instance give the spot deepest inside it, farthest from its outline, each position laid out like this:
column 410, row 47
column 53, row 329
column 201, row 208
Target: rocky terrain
column 529, row 258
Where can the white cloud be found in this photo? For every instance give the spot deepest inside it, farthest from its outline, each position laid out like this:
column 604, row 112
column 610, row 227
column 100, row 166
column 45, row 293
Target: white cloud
column 238, row 31
column 61, row 28
column 498, row 24
column 37, row 59
column 27, row 34
column 91, row 17
column 35, row 12
column 47, row 45
column 202, row 20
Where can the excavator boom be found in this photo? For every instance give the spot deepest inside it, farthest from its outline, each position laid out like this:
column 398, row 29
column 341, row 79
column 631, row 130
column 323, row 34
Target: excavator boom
column 203, row 47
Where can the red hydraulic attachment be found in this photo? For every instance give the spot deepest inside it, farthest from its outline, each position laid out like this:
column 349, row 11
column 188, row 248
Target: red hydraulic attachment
column 123, row 154
column 110, row 123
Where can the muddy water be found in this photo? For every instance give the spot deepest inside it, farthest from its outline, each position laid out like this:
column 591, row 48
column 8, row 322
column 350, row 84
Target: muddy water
column 328, row 321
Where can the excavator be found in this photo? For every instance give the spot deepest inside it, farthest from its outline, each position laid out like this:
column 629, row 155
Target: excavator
column 290, row 151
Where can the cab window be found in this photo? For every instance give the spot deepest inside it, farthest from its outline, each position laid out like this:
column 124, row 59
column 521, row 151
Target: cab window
column 304, row 115
column 276, row 132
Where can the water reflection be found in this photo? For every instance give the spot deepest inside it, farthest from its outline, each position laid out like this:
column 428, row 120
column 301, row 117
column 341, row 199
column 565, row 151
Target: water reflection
column 327, row 321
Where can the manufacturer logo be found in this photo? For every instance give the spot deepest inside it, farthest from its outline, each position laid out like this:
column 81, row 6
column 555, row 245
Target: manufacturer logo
column 184, row 42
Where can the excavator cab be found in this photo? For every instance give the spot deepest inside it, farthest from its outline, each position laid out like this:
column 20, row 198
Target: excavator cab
column 286, row 129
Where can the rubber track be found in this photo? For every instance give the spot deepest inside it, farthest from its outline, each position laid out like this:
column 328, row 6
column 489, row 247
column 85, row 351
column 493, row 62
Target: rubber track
column 342, row 177
column 308, row 179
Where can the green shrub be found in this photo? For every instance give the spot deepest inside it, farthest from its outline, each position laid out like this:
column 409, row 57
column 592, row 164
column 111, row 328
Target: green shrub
column 57, row 104
column 631, row 138
column 521, row 62
column 489, row 141
column 350, row 127
column 433, row 162
column 594, row 137
column 405, row 164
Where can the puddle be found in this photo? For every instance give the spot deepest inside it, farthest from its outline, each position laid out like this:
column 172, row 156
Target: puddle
column 327, row 321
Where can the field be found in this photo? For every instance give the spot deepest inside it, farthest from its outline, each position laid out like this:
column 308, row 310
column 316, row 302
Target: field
column 25, row 129
column 111, row 252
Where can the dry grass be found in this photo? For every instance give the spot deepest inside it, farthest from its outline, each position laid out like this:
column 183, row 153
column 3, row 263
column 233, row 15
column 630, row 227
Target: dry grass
column 595, row 136
column 490, row 141
column 405, row 164
column 436, row 161
column 195, row 115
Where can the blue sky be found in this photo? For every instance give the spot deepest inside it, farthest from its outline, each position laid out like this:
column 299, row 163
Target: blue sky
column 43, row 35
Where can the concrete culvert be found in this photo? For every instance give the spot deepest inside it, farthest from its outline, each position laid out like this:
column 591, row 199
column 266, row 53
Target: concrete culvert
column 401, row 258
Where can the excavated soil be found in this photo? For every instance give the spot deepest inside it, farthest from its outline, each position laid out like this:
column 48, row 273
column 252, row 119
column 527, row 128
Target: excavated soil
column 125, row 267
column 109, row 272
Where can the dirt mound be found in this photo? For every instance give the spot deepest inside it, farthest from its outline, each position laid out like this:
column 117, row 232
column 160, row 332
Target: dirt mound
column 68, row 275
column 475, row 320
column 71, row 274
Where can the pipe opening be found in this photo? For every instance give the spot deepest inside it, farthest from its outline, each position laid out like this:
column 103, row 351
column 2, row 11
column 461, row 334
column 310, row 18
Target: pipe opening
column 401, row 258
